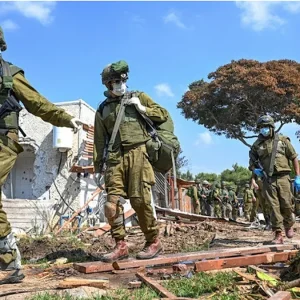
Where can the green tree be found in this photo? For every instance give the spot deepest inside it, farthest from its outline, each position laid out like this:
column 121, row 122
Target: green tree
column 181, row 162
column 210, row 177
column 241, row 91
column 187, row 176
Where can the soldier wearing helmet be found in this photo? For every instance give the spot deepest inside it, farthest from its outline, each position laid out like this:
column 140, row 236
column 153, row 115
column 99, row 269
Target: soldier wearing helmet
column 226, row 207
column 204, row 195
column 233, row 201
column 128, row 173
column 249, row 198
column 14, row 84
column 216, row 201
column 270, row 158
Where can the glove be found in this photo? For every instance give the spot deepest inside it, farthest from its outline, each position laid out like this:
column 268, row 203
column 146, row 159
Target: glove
column 98, row 179
column 136, row 101
column 75, row 124
column 259, row 172
column 297, row 183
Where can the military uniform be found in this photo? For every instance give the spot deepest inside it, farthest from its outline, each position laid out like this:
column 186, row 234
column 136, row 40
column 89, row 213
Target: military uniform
column 233, row 201
column 216, row 200
column 37, row 105
column 226, row 206
column 248, row 201
column 277, row 186
column 129, row 173
column 204, row 195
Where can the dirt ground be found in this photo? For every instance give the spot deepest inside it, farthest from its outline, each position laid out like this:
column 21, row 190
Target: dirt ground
column 176, row 238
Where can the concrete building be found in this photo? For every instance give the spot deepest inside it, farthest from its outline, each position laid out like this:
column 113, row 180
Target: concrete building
column 40, row 188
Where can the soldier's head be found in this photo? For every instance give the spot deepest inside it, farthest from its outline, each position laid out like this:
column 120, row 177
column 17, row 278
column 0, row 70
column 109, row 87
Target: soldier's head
column 266, row 125
column 197, row 181
column 205, row 183
column 114, row 77
column 223, row 184
column 218, row 185
column 247, row 185
column 3, row 45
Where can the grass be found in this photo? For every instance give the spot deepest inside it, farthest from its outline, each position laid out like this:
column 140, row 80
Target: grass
column 220, row 285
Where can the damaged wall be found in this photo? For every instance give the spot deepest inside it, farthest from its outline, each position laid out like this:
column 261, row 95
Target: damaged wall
column 34, row 175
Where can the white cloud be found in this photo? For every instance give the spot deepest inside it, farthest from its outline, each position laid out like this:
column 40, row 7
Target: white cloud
column 259, row 15
column 172, row 17
column 163, row 89
column 9, row 25
column 292, row 7
column 41, row 11
column 204, row 138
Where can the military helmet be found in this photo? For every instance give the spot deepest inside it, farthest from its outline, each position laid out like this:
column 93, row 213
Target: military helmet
column 205, row 182
column 265, row 121
column 115, row 71
column 247, row 185
column 197, row 180
column 3, row 45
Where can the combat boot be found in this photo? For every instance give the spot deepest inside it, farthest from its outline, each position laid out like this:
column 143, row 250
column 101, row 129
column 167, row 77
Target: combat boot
column 278, row 238
column 10, row 261
column 150, row 250
column 120, row 252
column 289, row 232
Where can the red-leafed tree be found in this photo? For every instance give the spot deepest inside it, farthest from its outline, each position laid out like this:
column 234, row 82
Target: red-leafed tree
column 241, row 91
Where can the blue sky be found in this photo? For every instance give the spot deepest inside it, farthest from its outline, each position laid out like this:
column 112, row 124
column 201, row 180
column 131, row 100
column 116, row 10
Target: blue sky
column 63, row 47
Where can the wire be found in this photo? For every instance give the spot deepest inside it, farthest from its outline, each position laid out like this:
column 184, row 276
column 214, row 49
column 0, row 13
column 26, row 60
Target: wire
column 61, row 197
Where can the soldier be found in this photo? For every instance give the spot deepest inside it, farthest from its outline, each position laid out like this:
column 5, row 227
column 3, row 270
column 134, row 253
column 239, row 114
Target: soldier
column 249, row 198
column 13, row 83
column 261, row 202
column 129, row 173
column 216, row 200
column 195, row 197
column 224, row 198
column 233, row 201
column 204, row 197
column 270, row 157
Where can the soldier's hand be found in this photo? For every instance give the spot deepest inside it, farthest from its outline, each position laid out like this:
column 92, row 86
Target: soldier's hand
column 258, row 172
column 137, row 103
column 76, row 123
column 255, row 185
column 297, row 183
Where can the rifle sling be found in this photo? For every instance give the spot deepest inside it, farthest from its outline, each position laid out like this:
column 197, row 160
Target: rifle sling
column 273, row 155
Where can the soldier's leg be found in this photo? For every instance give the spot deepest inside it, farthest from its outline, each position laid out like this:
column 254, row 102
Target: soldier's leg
column 286, row 206
column 229, row 211
column 114, row 211
column 10, row 258
column 196, row 206
column 140, row 179
column 217, row 210
column 223, row 210
column 254, row 209
column 247, row 209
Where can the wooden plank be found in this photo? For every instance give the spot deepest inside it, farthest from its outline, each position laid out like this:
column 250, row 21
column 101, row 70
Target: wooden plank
column 94, row 267
column 242, row 261
column 155, row 286
column 76, row 282
column 281, row 296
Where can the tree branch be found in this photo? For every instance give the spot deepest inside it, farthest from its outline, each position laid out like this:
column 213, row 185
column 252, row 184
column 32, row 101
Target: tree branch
column 281, row 125
column 243, row 141
column 250, row 137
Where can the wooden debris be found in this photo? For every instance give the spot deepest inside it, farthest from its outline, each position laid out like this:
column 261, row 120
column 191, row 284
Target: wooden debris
column 281, row 296
column 134, row 284
column 94, row 267
column 76, row 282
column 248, row 277
column 155, row 286
column 292, row 284
column 241, row 261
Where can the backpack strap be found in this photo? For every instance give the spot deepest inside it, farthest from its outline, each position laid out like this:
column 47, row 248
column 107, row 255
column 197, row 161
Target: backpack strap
column 273, row 155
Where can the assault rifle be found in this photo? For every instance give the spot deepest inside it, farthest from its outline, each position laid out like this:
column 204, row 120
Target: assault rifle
column 10, row 105
column 258, row 165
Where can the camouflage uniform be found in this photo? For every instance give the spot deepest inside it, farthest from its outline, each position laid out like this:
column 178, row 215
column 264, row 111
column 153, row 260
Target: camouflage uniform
column 226, row 206
column 216, row 200
column 196, row 198
column 277, row 186
column 39, row 106
column 205, row 191
column 233, row 201
column 248, row 201
column 129, row 173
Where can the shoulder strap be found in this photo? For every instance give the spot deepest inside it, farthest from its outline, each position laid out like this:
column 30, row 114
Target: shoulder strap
column 101, row 107
column 273, row 155
column 7, row 79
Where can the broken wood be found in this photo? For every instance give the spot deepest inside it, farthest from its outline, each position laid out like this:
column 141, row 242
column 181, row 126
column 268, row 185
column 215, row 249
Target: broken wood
column 281, row 296
column 248, row 277
column 218, row 264
column 292, row 284
column 76, row 282
column 94, row 267
column 155, row 286
column 94, row 195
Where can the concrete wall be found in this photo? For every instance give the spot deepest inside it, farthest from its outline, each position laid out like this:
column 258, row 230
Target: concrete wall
column 35, row 174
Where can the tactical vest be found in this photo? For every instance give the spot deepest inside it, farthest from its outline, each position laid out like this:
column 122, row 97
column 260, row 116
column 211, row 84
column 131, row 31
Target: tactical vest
column 7, row 71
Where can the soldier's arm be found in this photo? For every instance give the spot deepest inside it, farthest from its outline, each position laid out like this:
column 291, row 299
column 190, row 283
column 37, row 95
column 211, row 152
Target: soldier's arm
column 293, row 156
column 252, row 154
column 195, row 193
column 100, row 135
column 38, row 105
column 153, row 110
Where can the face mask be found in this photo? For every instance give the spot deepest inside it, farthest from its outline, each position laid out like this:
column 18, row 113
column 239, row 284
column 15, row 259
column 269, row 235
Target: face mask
column 265, row 131
column 119, row 89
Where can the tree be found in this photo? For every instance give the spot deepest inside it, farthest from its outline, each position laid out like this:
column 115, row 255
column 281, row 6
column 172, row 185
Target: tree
column 238, row 175
column 210, row 177
column 187, row 176
column 240, row 92
column 181, row 162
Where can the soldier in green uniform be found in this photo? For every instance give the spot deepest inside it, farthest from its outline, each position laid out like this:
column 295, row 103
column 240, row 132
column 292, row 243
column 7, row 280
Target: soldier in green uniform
column 224, row 197
column 195, row 197
column 129, row 173
column 13, row 82
column 275, row 152
column 233, row 201
column 216, row 200
column 204, row 194
column 249, row 198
